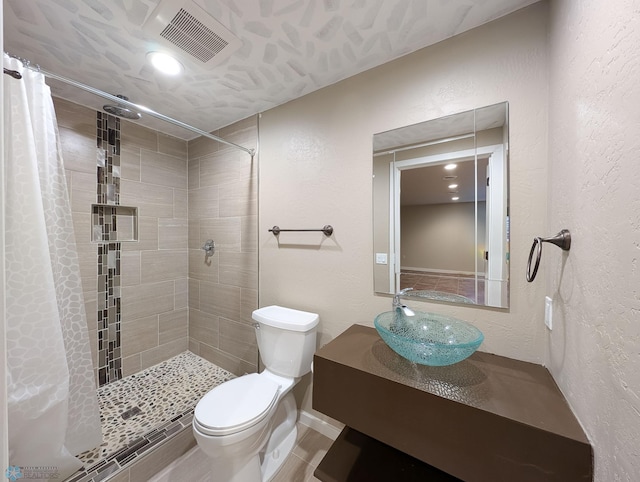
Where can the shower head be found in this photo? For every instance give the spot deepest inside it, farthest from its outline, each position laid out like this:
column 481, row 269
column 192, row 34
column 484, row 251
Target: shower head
column 121, row 111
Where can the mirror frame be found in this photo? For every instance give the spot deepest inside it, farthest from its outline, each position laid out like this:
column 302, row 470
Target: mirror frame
column 495, row 279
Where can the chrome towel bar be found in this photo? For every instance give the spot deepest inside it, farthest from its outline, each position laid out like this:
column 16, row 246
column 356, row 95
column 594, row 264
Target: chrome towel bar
column 327, row 230
column 562, row 240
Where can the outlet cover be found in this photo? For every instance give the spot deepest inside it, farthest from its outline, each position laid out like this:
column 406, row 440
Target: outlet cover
column 548, row 312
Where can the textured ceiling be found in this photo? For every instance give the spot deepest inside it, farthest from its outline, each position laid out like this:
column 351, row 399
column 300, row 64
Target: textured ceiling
column 288, row 48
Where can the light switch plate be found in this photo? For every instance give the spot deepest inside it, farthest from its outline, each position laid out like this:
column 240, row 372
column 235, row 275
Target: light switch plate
column 381, row 258
column 548, row 312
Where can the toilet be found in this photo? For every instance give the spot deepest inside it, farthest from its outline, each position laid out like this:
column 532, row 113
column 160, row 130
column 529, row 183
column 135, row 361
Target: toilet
column 247, row 426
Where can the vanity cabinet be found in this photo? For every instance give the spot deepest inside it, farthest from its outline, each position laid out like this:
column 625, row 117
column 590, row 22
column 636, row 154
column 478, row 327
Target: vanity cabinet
column 485, row 419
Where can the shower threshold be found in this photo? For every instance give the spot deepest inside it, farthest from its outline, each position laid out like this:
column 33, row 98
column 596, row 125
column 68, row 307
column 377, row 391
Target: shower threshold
column 143, row 410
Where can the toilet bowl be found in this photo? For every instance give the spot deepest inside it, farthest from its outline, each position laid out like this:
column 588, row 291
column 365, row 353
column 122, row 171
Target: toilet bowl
column 247, row 426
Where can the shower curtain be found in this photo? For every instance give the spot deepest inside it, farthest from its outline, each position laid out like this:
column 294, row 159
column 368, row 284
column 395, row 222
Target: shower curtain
column 51, row 391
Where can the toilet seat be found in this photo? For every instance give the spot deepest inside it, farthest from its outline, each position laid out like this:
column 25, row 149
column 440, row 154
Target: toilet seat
column 236, row 405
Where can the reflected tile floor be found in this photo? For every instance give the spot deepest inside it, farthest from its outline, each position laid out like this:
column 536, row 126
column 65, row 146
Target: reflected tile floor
column 157, row 403
column 463, row 285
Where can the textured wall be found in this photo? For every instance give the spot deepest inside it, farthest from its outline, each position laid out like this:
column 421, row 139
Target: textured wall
column 315, row 169
column 594, row 150
column 153, row 270
column 223, row 289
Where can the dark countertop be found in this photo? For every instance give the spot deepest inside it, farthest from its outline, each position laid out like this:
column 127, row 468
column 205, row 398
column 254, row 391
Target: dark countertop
column 510, row 413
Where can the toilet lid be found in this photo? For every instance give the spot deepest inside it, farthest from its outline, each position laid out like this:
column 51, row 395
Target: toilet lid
column 236, row 405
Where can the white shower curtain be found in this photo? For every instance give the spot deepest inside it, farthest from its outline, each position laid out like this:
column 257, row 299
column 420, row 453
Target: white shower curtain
column 51, row 392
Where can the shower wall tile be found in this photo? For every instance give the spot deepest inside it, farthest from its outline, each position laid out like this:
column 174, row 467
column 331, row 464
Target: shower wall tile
column 218, row 299
column 194, row 174
column 224, row 167
column 202, row 146
column 130, row 164
column 147, row 235
column 194, row 346
column 130, row 268
column 223, row 207
column 83, row 191
column 163, row 352
column 204, row 327
column 248, row 303
column 239, row 198
column 181, row 291
column 201, row 267
column 136, row 136
column 75, row 117
column 147, row 299
column 195, row 241
column 180, row 203
column 140, row 334
column 224, row 231
column 160, row 229
column 248, row 234
column 173, row 326
column 163, row 265
column 194, row 294
column 239, row 340
column 82, row 227
column 173, row 233
column 151, row 200
column 172, row 145
column 131, row 365
column 224, row 360
column 239, row 269
column 79, row 150
column 163, row 170
column 203, row 203
column 244, row 132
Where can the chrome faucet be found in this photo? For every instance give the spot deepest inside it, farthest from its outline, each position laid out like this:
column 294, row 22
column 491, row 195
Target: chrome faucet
column 398, row 305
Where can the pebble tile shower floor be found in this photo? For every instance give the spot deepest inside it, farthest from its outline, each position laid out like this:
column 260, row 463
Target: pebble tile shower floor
column 157, row 403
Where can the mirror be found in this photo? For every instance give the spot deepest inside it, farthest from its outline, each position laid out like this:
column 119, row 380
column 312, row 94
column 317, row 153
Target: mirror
column 441, row 208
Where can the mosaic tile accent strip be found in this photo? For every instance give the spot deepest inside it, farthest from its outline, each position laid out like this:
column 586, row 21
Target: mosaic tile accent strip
column 108, row 192
column 108, row 158
column 166, row 395
column 109, row 314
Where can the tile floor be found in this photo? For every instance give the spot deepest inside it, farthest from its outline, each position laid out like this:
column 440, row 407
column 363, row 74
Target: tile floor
column 309, row 450
column 160, row 403
column 157, row 404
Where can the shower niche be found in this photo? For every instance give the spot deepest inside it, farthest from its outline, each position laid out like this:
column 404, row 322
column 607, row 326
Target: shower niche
column 113, row 223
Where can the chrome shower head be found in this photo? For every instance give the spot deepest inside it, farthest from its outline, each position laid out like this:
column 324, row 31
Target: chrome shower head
column 121, row 111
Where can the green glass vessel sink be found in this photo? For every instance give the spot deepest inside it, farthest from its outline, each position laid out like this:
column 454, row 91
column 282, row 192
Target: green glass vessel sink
column 428, row 338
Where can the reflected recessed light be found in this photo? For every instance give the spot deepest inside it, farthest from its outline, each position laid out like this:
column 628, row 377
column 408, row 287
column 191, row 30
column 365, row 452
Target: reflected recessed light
column 165, row 63
column 455, row 198
column 453, row 186
column 450, row 167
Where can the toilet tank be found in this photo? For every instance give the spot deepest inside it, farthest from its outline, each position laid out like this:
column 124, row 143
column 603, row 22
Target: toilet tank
column 286, row 339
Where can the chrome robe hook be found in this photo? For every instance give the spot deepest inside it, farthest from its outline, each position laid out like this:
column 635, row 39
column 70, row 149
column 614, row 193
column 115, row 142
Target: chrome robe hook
column 562, row 240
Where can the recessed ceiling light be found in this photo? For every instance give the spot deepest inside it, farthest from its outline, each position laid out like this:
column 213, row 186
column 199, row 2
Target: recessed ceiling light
column 165, row 63
column 450, row 167
column 453, row 186
column 455, row 198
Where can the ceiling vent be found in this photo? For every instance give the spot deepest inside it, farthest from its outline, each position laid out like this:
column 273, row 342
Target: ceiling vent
column 187, row 26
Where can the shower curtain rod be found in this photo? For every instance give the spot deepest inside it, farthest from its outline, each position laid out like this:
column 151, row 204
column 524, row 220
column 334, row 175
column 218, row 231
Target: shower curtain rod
column 126, row 103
